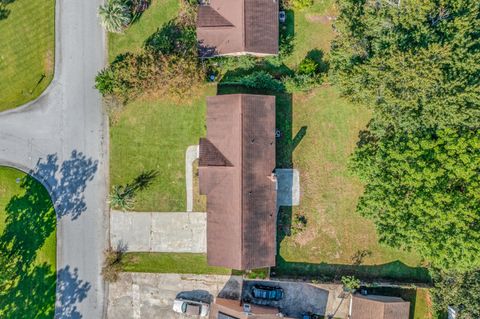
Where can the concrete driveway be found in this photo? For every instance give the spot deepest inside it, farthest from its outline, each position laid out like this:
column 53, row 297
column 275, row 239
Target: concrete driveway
column 151, row 296
column 148, row 296
column 159, row 232
column 301, row 297
column 62, row 140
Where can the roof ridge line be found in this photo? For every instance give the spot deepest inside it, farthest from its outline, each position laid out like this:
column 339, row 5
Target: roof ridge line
column 241, row 182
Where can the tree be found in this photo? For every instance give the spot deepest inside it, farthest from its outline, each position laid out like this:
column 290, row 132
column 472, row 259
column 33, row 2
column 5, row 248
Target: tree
column 115, row 15
column 458, row 290
column 415, row 63
column 123, row 196
column 350, row 283
column 422, row 193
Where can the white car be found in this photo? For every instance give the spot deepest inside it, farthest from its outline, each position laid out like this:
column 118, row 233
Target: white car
column 191, row 307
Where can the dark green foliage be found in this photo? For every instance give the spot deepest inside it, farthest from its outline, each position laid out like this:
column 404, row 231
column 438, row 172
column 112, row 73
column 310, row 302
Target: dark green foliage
column 309, row 73
column 416, row 64
column 350, row 283
column 258, row 80
column 308, row 66
column 422, row 193
column 168, row 64
column 459, row 290
column 133, row 74
column 173, row 38
column 27, row 288
column 296, row 4
column 301, row 82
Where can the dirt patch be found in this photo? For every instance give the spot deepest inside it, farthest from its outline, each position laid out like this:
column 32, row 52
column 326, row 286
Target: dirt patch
column 306, row 236
column 199, row 201
column 322, row 19
column 48, row 63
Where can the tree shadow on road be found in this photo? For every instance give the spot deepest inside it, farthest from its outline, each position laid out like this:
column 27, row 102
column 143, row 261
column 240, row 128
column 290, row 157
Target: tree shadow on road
column 67, row 182
column 27, row 284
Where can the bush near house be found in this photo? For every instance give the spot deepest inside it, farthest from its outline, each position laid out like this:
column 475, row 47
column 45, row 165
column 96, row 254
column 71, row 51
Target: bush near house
column 155, row 132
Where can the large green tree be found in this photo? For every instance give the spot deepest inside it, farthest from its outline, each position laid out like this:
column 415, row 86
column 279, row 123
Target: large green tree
column 422, row 191
column 458, row 290
column 416, row 64
column 414, row 61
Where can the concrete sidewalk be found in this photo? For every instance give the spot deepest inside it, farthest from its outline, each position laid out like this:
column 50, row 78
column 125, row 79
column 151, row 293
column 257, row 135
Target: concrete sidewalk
column 159, row 232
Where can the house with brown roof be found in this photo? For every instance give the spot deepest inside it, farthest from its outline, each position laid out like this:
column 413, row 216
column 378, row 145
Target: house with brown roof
column 237, row 27
column 379, row 307
column 236, row 165
column 235, row 309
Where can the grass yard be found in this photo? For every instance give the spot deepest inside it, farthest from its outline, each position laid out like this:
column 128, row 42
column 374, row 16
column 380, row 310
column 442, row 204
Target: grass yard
column 335, row 234
column 27, row 237
column 159, row 12
column 319, row 132
column 155, row 135
column 312, row 29
column 27, row 50
column 180, row 263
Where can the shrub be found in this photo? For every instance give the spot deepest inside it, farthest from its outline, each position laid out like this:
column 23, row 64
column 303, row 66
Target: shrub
column 173, row 38
column 350, row 283
column 296, row 4
column 112, row 265
column 301, row 82
column 257, row 80
column 123, row 197
column 131, row 75
column 115, row 15
column 308, row 67
column 233, row 63
column 299, row 224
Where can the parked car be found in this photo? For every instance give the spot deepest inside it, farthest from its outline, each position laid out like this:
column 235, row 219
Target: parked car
column 191, row 307
column 267, row 292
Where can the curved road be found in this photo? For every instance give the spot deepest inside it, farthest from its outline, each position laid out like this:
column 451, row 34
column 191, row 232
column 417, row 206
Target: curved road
column 61, row 138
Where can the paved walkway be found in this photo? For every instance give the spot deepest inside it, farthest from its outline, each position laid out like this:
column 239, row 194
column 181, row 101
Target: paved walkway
column 288, row 193
column 159, row 232
column 192, row 154
column 62, row 139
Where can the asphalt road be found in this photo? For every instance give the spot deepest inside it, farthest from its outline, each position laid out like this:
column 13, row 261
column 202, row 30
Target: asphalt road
column 61, row 138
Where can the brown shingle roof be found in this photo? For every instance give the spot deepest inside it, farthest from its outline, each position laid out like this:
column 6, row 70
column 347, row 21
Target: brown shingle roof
column 241, row 197
column 228, row 308
column 237, row 27
column 208, row 17
column 379, row 307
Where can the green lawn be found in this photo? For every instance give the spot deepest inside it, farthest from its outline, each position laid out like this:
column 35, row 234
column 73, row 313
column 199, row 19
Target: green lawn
column 159, row 12
column 170, row 263
column 154, row 134
column 27, row 237
column 334, row 231
column 26, row 51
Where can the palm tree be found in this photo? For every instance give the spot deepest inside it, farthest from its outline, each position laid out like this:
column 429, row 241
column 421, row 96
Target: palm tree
column 115, row 15
column 122, row 197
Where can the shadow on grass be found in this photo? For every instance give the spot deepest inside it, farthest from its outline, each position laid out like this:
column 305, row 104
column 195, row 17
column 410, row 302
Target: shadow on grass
column 27, row 288
column 287, row 142
column 395, row 271
column 4, row 11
